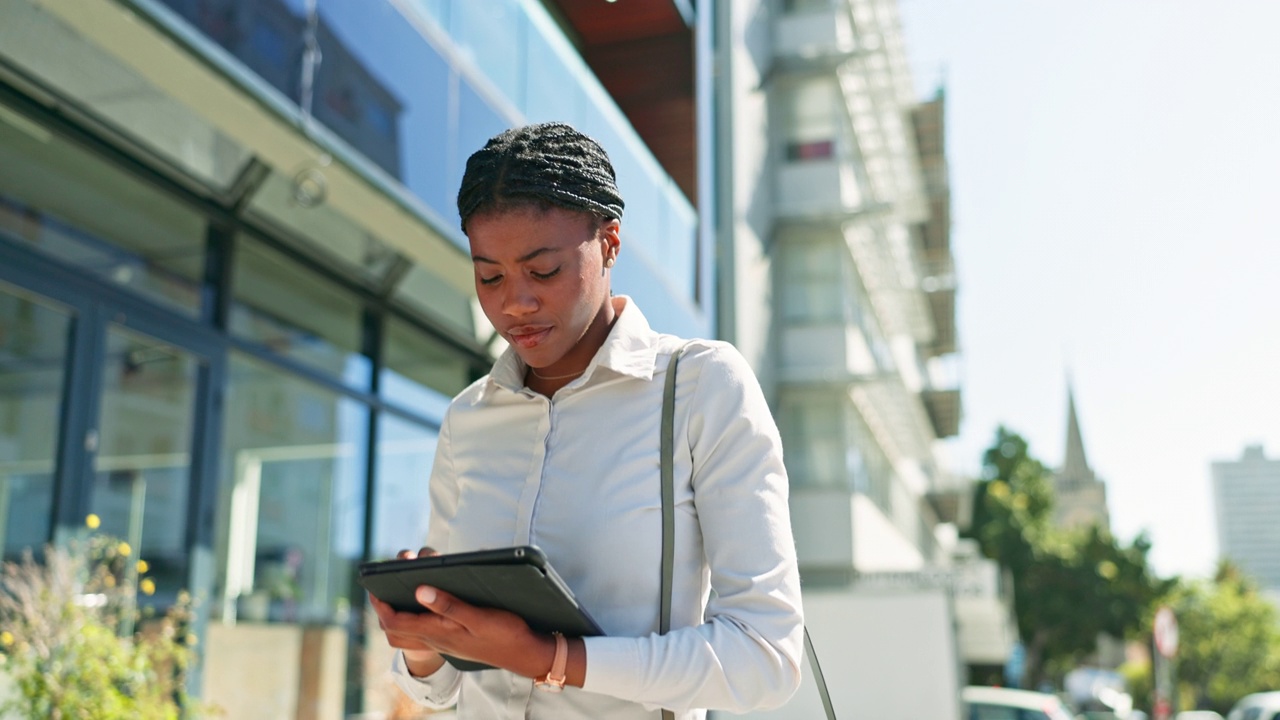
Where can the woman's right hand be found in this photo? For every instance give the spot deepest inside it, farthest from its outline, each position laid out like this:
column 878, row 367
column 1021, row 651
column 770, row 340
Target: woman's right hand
column 420, row 658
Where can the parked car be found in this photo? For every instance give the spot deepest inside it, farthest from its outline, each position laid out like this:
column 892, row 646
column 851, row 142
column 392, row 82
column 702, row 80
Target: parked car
column 1198, row 715
column 1258, row 706
column 993, row 703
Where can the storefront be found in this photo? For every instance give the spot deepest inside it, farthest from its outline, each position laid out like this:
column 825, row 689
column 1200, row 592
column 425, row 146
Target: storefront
column 234, row 298
column 240, row 379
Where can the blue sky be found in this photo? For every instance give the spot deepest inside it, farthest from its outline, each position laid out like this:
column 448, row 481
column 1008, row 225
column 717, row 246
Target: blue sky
column 1115, row 169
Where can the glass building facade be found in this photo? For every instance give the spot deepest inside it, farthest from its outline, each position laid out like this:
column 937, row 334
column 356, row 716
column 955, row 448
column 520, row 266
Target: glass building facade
column 235, row 302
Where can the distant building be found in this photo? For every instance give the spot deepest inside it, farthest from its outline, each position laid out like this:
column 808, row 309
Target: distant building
column 836, row 281
column 1246, row 495
column 1080, row 496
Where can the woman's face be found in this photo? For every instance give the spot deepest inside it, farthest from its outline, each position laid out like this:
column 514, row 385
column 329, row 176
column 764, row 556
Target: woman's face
column 542, row 282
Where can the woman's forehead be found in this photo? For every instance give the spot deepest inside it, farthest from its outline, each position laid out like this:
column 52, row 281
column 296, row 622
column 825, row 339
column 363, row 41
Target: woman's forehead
column 513, row 233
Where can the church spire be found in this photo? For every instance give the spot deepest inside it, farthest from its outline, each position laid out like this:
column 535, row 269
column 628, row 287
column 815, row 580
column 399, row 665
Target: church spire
column 1074, row 466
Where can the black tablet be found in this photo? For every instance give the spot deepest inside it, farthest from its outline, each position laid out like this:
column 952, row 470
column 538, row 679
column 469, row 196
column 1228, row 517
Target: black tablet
column 517, row 579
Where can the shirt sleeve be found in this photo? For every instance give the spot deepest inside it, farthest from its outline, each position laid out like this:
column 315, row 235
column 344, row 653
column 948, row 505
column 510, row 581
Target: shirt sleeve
column 746, row 655
column 440, row 689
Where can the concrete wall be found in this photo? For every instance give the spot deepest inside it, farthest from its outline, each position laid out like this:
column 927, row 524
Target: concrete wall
column 256, row 671
column 887, row 655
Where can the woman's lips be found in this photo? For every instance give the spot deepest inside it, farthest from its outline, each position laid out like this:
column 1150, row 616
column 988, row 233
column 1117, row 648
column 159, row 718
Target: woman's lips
column 528, row 337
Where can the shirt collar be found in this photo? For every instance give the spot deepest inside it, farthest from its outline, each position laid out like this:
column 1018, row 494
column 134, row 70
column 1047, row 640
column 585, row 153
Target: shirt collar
column 630, row 349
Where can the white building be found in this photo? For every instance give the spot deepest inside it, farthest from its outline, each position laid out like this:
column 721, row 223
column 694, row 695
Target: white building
column 836, row 281
column 1246, row 495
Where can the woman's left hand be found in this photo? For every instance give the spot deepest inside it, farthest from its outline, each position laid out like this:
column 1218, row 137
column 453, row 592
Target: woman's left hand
column 454, row 627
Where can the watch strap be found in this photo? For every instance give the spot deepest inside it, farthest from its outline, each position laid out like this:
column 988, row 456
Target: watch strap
column 554, row 679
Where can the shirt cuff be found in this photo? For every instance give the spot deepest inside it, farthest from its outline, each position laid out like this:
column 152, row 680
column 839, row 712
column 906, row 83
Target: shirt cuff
column 438, row 690
column 612, row 666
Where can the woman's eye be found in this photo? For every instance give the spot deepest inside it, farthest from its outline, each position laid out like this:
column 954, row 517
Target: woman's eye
column 546, row 275
column 490, row 280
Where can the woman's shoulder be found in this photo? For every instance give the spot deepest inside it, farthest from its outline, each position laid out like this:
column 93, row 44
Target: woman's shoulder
column 705, row 354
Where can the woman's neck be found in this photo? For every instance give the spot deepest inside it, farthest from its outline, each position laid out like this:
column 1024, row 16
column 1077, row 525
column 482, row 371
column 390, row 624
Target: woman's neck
column 549, row 380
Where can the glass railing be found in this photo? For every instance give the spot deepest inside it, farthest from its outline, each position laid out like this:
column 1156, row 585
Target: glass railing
column 526, row 59
column 415, row 86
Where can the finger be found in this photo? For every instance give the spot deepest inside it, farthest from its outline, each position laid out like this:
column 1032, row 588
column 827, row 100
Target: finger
column 427, row 552
column 405, row 555
column 379, row 607
column 445, row 605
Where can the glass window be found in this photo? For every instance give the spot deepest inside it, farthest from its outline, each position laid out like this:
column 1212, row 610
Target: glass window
column 868, row 466
column 33, row 353
column 402, row 502
column 812, row 290
column 420, row 372
column 491, row 35
column 341, row 241
column 477, row 122
column 813, row 437
column 811, row 113
column 142, row 469
column 72, row 205
column 797, row 6
column 551, row 93
column 426, row 294
column 291, row 509
column 297, row 313
column 68, row 61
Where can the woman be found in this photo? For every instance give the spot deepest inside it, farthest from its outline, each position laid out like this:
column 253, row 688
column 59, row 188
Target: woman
column 558, row 447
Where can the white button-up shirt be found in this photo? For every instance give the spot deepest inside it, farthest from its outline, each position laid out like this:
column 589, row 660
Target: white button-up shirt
column 578, row 476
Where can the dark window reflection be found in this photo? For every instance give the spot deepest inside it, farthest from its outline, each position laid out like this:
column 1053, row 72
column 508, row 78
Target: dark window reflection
column 273, row 38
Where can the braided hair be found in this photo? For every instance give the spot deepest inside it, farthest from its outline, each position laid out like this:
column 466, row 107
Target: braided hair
column 548, row 164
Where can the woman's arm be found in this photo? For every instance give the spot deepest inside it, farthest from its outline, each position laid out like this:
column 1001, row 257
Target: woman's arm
column 746, row 655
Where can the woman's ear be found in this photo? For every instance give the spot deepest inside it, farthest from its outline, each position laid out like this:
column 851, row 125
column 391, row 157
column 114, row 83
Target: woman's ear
column 610, row 241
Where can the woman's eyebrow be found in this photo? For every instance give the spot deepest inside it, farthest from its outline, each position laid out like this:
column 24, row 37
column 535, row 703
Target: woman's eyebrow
column 523, row 258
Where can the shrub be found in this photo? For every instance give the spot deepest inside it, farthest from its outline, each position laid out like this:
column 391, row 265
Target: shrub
column 74, row 645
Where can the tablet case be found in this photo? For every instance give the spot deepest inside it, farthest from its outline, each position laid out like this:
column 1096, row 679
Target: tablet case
column 517, row 579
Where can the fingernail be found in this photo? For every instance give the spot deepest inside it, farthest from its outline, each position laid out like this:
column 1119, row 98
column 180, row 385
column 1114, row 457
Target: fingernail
column 426, row 594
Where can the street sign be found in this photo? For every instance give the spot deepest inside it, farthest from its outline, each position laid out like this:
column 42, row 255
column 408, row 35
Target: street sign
column 1165, row 629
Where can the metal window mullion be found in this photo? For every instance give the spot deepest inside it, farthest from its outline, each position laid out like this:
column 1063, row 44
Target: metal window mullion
column 81, row 408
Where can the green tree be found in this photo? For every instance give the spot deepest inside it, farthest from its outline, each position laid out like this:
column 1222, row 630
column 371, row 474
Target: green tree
column 1228, row 639
column 1069, row 587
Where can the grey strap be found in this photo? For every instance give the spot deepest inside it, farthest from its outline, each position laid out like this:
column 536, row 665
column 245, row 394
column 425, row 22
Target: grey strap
column 668, row 448
column 668, row 489
column 668, row 445
column 817, row 676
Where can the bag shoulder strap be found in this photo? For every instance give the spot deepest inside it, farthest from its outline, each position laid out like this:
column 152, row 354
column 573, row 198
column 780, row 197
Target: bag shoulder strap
column 668, row 489
column 669, row 529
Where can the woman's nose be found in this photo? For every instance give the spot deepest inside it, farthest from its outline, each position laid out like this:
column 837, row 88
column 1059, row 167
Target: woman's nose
column 519, row 298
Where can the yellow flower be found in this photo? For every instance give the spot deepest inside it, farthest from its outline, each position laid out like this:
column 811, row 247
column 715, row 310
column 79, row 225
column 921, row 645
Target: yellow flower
column 192, row 640
column 1108, row 569
column 124, row 549
column 143, row 566
column 92, row 521
column 6, row 638
column 109, row 581
column 147, row 586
